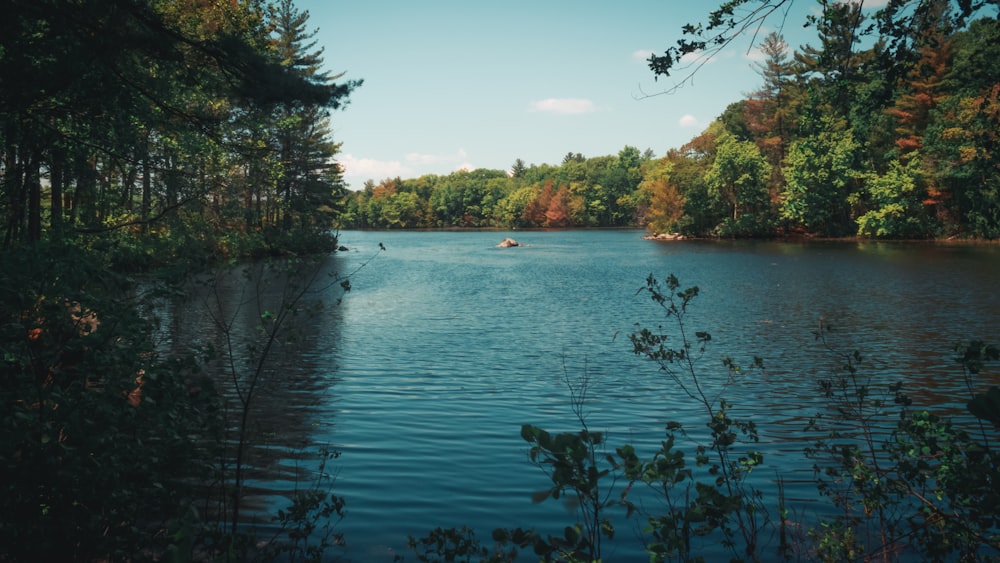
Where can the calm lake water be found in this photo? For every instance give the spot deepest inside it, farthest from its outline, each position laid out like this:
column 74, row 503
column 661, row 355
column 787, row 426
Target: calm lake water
column 424, row 374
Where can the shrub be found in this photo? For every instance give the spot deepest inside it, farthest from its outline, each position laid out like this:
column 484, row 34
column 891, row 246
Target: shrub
column 103, row 440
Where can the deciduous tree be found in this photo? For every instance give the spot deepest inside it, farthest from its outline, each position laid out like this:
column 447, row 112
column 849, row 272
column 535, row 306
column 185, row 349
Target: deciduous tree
column 738, row 177
column 819, row 175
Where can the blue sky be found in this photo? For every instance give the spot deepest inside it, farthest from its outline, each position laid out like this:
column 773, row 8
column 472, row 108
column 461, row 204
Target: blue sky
column 450, row 85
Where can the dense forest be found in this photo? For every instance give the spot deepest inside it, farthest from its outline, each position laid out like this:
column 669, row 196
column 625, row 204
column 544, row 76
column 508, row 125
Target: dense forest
column 142, row 142
column 180, row 120
column 887, row 126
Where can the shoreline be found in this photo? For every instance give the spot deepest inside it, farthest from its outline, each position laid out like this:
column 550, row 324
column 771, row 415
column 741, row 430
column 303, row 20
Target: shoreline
column 678, row 237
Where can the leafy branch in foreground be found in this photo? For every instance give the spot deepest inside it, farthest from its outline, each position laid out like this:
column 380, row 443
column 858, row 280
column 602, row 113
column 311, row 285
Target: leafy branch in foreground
column 725, row 24
column 578, row 465
column 313, row 509
column 732, row 19
column 907, row 481
column 728, row 503
column 101, row 438
column 906, row 484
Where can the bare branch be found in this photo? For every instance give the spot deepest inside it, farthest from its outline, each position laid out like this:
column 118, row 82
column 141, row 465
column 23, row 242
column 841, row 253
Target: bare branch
column 705, row 48
column 136, row 222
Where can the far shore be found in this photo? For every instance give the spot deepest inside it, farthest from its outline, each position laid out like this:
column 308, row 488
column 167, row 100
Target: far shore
column 677, row 237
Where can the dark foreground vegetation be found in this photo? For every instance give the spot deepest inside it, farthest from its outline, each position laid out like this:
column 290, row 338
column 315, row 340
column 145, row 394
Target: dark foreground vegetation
column 150, row 149
column 145, row 145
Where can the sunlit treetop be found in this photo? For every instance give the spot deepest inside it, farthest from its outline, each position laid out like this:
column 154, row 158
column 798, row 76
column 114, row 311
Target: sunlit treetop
column 898, row 23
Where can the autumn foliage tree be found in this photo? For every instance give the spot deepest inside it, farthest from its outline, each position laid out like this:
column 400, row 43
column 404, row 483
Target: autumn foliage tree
column 559, row 214
column 893, row 80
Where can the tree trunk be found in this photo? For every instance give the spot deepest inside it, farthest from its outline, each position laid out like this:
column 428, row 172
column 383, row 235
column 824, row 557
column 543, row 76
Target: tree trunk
column 56, row 201
column 34, row 187
column 129, row 176
column 147, row 186
column 86, row 188
column 12, row 183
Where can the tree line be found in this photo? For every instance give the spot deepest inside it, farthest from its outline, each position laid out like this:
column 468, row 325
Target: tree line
column 581, row 192
column 886, row 127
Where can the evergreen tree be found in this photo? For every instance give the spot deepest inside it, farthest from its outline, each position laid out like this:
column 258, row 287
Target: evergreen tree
column 769, row 113
column 835, row 69
column 139, row 111
column 518, row 169
column 309, row 181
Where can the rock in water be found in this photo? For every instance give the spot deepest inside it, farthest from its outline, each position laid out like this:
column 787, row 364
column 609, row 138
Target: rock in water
column 665, row 236
column 508, row 242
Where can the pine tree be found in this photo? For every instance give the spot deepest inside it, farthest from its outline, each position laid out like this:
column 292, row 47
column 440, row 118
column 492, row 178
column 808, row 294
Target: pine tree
column 923, row 89
column 310, row 182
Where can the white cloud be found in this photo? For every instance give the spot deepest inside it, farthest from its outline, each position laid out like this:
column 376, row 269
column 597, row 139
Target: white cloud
column 414, row 164
column 428, row 159
column 696, row 57
column 564, row 106
column 361, row 169
column 755, row 55
column 642, row 54
column 688, row 121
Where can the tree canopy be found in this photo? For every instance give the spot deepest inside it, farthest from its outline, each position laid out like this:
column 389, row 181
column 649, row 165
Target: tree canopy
column 163, row 117
column 158, row 136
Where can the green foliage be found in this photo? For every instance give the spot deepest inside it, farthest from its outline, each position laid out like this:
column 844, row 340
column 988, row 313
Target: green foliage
column 315, row 509
column 888, row 78
column 927, row 489
column 124, row 452
column 702, row 212
column 965, row 165
column 578, row 465
column 141, row 109
column 738, row 178
column 894, row 202
column 748, row 225
column 582, row 192
column 726, row 504
column 818, row 173
column 461, row 544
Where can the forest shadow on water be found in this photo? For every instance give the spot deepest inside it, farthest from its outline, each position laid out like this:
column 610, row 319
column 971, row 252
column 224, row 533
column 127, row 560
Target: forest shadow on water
column 228, row 317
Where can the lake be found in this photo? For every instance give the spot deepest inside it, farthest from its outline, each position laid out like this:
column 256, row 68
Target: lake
column 423, row 375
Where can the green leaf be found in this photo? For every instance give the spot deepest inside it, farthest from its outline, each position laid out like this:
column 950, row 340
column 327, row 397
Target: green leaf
column 541, row 496
column 987, row 406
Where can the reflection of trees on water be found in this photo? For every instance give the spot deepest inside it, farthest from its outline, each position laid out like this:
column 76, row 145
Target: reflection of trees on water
column 229, row 313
